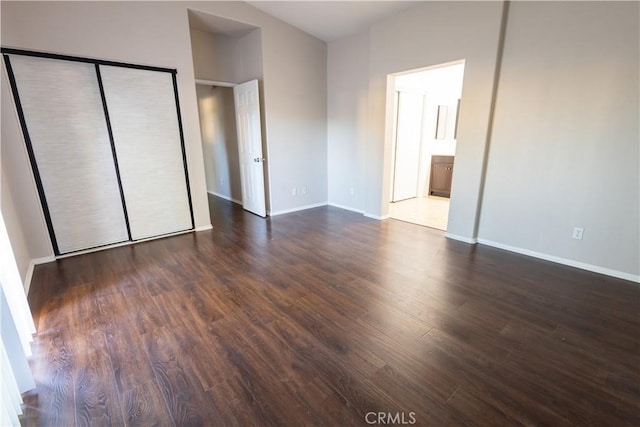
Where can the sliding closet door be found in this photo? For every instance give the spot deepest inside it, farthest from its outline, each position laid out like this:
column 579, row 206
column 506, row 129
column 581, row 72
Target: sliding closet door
column 70, row 151
column 144, row 120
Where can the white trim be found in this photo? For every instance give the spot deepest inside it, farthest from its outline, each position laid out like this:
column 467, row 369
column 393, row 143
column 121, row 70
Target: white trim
column 204, row 228
column 346, row 208
column 378, row 217
column 127, row 243
column 222, row 196
column 32, row 265
column 214, row 83
column 564, row 261
column 43, row 260
column 471, row 241
column 299, row 208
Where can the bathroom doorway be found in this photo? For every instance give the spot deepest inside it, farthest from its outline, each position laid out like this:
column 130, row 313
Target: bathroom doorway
column 427, row 102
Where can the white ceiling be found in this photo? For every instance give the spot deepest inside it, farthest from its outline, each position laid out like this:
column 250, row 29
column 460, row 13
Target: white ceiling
column 331, row 20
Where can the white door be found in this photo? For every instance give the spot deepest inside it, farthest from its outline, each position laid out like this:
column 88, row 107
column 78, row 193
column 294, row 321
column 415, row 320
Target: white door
column 146, row 135
column 247, row 103
column 71, row 152
column 408, row 142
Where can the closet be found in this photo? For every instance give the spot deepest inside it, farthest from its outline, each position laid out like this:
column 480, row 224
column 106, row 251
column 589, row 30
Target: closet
column 105, row 144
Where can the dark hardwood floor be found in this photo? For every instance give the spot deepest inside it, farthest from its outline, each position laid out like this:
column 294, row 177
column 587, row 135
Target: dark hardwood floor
column 324, row 317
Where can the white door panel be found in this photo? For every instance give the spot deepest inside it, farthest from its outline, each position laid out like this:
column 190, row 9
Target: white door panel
column 408, row 142
column 64, row 115
column 144, row 121
column 247, row 105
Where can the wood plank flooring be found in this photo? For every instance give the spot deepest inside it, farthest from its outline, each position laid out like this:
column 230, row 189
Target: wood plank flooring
column 326, row 318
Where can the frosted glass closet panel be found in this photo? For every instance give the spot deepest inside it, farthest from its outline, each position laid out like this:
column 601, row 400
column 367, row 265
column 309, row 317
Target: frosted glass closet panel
column 144, row 121
column 65, row 120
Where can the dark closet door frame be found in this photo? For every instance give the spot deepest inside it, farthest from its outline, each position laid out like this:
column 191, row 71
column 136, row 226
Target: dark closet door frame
column 31, row 154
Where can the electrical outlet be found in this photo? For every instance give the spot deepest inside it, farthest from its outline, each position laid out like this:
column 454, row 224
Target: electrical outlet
column 222, row 182
column 294, row 192
column 352, row 191
column 578, row 232
column 304, row 190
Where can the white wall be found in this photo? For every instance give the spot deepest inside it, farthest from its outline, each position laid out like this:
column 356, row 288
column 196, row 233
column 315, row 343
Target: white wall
column 563, row 147
column 444, row 80
column 219, row 141
column 295, row 68
column 227, row 59
column 569, row 73
column 157, row 33
column 214, row 56
column 16, row 321
column 348, row 108
column 19, row 201
column 411, row 40
column 249, row 60
column 414, row 39
column 564, row 151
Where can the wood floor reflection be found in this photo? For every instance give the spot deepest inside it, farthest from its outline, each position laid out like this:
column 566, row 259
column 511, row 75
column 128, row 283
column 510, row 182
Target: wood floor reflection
column 321, row 317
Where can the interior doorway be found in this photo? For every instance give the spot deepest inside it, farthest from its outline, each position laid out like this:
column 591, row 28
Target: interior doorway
column 219, row 141
column 226, row 54
column 427, row 102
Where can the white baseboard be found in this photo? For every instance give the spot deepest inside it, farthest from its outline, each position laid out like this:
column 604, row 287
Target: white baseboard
column 32, row 265
column 204, row 228
column 125, row 243
column 564, row 261
column 461, row 238
column 346, row 208
column 296, row 209
column 378, row 217
column 222, row 196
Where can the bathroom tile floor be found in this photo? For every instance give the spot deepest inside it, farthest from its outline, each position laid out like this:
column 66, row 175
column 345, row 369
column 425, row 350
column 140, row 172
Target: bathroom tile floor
column 429, row 211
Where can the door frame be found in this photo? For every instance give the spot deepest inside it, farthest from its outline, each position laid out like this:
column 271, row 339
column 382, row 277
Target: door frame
column 265, row 144
column 390, row 123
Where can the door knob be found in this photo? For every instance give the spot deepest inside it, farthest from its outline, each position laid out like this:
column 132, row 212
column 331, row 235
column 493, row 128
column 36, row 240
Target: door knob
column 258, row 159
